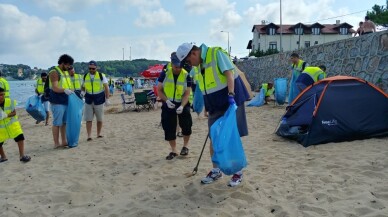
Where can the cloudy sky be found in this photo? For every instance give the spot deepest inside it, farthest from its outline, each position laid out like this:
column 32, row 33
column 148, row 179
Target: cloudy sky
column 37, row 32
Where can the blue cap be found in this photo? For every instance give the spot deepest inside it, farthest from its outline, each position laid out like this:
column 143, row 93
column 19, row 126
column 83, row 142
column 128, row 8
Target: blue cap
column 175, row 61
column 93, row 63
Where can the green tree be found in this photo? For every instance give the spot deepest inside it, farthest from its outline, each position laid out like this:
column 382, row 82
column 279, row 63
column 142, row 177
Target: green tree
column 260, row 53
column 378, row 15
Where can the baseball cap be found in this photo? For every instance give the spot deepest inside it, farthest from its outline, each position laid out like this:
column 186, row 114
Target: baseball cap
column 174, row 60
column 183, row 50
column 93, row 63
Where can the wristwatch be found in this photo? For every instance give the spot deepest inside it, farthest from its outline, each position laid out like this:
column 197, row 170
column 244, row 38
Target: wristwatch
column 230, row 94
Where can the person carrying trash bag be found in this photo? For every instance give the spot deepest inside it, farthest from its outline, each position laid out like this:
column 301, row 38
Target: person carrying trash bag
column 174, row 87
column 221, row 87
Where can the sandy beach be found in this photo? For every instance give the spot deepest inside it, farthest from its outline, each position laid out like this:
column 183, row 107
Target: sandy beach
column 126, row 174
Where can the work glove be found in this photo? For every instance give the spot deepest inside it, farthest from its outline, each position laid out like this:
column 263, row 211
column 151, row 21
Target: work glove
column 231, row 100
column 107, row 102
column 3, row 115
column 179, row 110
column 170, row 104
column 82, row 94
column 68, row 92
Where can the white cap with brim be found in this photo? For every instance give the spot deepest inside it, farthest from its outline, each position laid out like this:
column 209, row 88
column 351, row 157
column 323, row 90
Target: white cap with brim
column 183, row 50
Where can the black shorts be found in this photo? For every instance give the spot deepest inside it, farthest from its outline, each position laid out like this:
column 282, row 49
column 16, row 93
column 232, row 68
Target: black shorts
column 17, row 139
column 169, row 122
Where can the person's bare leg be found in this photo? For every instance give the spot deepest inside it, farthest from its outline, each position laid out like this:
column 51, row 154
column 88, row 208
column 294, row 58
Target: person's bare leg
column 211, row 153
column 173, row 146
column 89, row 129
column 99, row 127
column 63, row 135
column 21, row 148
column 2, row 153
column 47, row 117
column 186, row 141
column 55, row 130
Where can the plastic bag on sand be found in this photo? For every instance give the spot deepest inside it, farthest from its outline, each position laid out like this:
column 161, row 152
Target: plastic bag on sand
column 228, row 154
column 280, row 90
column 258, row 100
column 35, row 108
column 73, row 120
column 198, row 102
column 128, row 89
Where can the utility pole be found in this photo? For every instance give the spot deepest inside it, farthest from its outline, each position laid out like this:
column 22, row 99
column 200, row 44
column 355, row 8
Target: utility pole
column 228, row 42
column 123, row 54
column 281, row 28
column 299, row 32
column 130, row 58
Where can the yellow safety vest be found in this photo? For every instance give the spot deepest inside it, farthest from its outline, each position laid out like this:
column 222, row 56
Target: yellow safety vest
column 195, row 75
column 9, row 127
column 4, row 84
column 64, row 78
column 267, row 92
column 213, row 79
column 94, row 86
column 76, row 81
column 174, row 92
column 40, row 86
column 314, row 72
column 298, row 67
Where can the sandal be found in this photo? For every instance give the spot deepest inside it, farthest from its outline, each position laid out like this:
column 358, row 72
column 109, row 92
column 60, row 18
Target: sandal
column 171, row 156
column 184, row 151
column 3, row 160
column 100, row 136
column 89, row 139
column 179, row 134
column 25, row 159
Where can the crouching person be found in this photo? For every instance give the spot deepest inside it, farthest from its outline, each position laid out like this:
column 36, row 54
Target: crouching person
column 10, row 127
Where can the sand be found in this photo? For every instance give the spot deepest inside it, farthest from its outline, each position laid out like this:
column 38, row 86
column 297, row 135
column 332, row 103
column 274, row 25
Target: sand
column 126, row 174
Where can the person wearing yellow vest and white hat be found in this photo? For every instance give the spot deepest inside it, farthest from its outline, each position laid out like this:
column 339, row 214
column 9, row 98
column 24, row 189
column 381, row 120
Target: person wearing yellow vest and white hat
column 10, row 127
column 76, row 81
column 96, row 92
column 269, row 90
column 59, row 85
column 174, row 86
column 221, row 87
column 4, row 84
column 310, row 75
column 40, row 91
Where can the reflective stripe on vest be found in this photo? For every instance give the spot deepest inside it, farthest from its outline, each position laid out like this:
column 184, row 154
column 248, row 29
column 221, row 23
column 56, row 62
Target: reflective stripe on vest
column 4, row 84
column 298, row 67
column 94, row 86
column 213, row 79
column 76, row 81
column 9, row 127
column 40, row 86
column 64, row 80
column 174, row 92
column 314, row 72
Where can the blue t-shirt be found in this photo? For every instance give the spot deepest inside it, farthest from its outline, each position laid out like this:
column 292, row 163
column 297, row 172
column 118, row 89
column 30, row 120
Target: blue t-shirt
column 218, row 101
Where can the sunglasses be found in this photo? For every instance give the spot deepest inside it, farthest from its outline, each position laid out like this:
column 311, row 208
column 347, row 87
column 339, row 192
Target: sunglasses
column 92, row 68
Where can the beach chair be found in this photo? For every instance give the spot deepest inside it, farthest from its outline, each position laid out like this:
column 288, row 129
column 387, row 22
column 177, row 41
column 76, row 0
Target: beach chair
column 127, row 104
column 142, row 102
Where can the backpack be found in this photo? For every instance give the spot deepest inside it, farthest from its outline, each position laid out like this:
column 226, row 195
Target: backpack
column 46, row 93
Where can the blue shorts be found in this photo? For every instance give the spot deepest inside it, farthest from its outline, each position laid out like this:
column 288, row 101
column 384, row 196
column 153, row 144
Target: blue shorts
column 59, row 114
column 46, row 105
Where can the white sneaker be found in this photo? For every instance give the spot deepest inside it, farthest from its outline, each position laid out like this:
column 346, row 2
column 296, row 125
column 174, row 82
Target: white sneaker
column 235, row 180
column 212, row 176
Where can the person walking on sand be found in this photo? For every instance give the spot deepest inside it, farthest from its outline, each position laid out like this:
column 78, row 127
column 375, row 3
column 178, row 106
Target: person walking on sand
column 10, row 127
column 174, row 86
column 96, row 94
column 221, row 87
column 40, row 91
column 59, row 89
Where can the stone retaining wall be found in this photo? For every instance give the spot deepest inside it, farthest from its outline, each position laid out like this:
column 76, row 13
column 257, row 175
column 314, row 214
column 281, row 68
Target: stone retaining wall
column 365, row 57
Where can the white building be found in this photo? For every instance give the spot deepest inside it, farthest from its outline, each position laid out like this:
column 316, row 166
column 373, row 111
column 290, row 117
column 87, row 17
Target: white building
column 267, row 36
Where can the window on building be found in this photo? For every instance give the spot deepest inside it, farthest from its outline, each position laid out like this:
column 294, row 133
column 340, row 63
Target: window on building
column 299, row 31
column 316, row 31
column 273, row 45
column 307, row 43
column 343, row 31
column 316, row 42
column 271, row 31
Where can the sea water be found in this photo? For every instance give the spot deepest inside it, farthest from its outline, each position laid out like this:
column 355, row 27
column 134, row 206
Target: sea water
column 21, row 91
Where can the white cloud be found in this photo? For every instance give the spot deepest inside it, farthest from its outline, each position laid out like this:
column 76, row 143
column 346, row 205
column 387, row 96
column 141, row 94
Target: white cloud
column 203, row 6
column 153, row 18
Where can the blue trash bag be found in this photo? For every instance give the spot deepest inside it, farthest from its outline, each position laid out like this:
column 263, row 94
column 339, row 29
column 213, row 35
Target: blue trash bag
column 35, row 108
column 280, row 90
column 258, row 100
column 73, row 120
column 198, row 102
column 128, row 89
column 111, row 89
column 228, row 154
column 294, row 90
